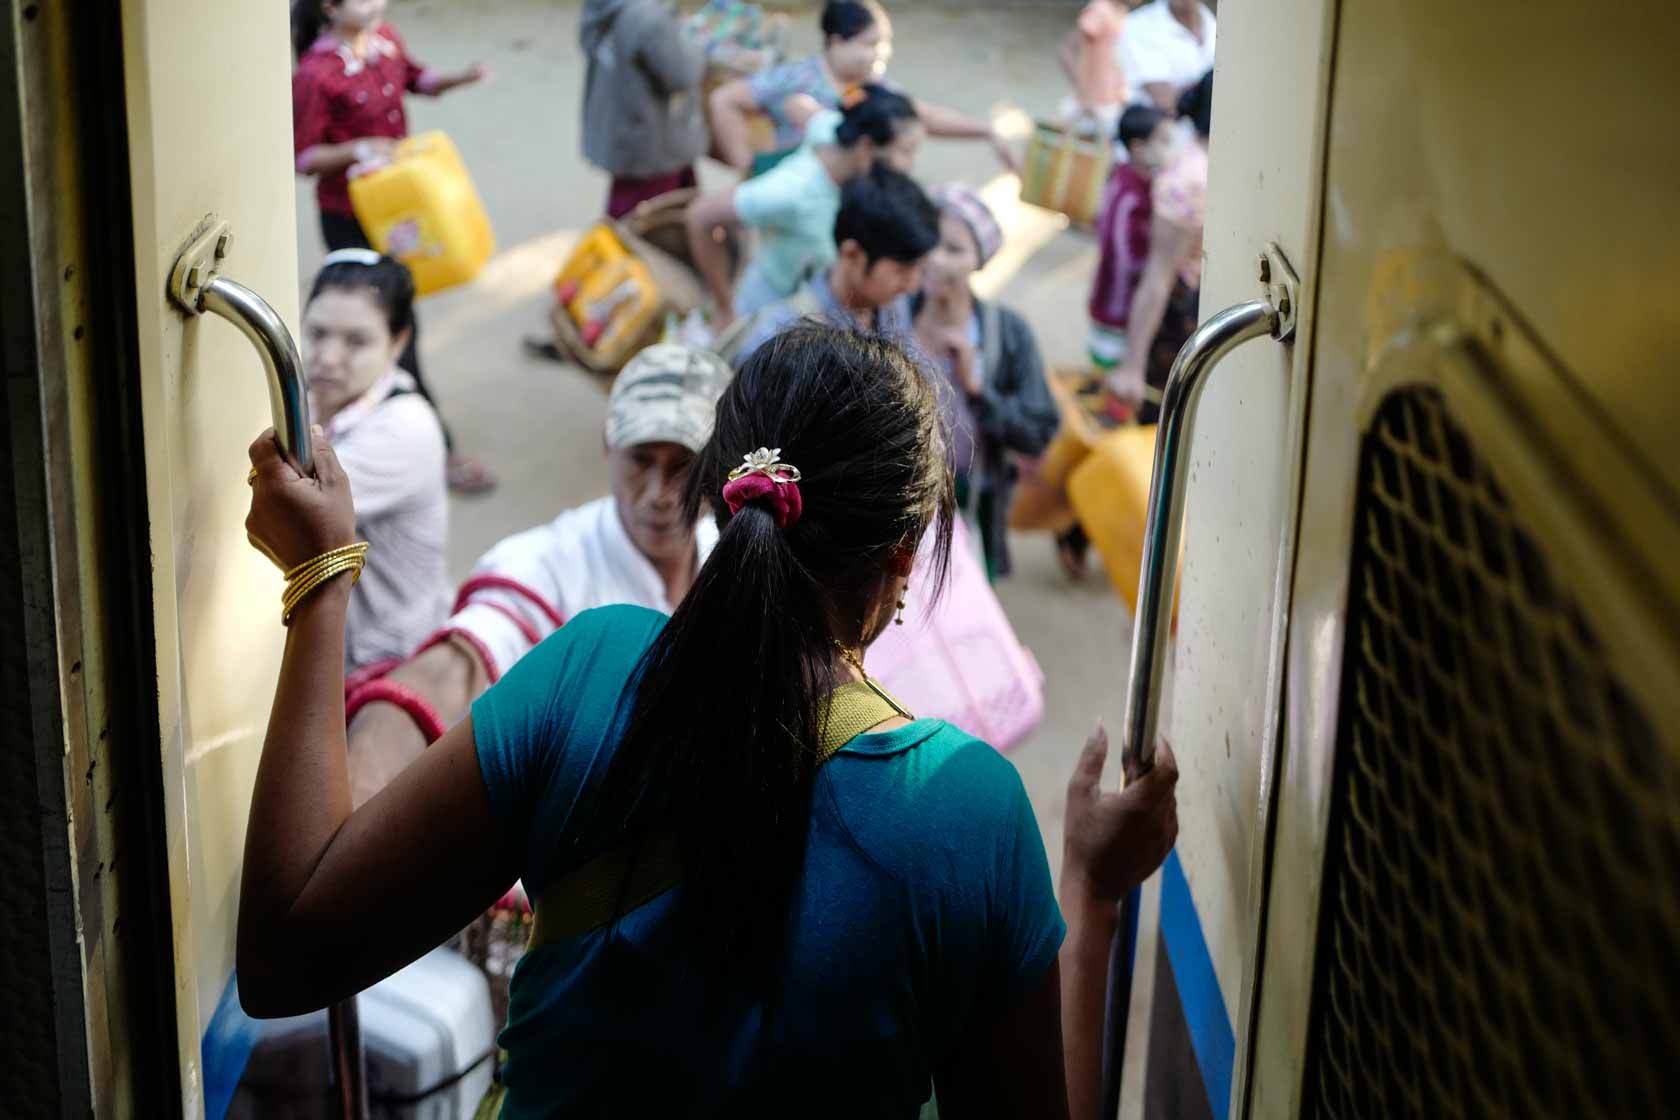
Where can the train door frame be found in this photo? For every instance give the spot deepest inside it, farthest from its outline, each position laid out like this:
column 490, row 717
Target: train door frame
column 1433, row 287
column 91, row 988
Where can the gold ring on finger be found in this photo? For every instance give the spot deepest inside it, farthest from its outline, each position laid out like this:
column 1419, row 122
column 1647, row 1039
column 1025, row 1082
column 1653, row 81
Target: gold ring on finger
column 251, row 479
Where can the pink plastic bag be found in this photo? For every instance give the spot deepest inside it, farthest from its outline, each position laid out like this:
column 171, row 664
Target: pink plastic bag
column 957, row 658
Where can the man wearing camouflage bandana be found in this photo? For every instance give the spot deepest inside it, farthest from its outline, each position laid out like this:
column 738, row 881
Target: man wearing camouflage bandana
column 632, row 546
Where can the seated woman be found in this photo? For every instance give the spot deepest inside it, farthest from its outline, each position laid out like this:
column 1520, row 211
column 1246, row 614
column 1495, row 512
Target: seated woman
column 996, row 400
column 761, row 886
column 390, row 443
column 793, row 207
column 857, row 43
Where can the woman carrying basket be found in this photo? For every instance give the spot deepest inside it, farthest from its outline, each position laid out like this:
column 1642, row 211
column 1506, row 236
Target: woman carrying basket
column 761, row 885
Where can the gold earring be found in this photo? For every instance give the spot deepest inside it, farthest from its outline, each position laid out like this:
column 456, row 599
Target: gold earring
column 900, row 619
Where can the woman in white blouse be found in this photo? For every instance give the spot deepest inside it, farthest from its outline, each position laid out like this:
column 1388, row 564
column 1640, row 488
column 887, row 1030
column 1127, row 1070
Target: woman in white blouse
column 390, row 443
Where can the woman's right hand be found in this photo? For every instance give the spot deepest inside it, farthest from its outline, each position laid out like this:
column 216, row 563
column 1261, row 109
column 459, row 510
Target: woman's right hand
column 1112, row 842
column 294, row 517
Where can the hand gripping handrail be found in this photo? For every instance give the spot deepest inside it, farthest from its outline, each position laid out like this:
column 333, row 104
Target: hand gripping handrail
column 1158, row 577
column 195, row 288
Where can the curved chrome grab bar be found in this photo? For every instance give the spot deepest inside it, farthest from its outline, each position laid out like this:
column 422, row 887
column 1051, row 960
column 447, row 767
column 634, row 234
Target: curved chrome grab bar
column 1158, row 584
column 287, row 400
column 1158, row 578
column 196, row 287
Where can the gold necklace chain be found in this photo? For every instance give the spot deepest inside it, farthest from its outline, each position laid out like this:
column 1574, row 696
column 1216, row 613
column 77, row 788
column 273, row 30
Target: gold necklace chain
column 856, row 662
column 852, row 659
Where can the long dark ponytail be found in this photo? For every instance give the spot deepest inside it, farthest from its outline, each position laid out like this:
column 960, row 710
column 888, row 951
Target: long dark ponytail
column 719, row 748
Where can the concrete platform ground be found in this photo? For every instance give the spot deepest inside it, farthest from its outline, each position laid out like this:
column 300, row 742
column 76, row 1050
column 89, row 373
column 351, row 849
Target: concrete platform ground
column 538, row 425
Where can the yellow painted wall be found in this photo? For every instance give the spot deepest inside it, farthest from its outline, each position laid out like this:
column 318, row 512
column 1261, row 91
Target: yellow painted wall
column 209, row 117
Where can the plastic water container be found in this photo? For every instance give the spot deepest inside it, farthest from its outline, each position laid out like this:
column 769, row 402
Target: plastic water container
column 421, row 1028
column 1110, row 493
column 957, row 658
column 423, row 209
column 612, row 295
column 608, row 293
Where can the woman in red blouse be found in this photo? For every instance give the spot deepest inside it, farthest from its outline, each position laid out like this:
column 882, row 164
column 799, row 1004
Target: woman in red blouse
column 347, row 108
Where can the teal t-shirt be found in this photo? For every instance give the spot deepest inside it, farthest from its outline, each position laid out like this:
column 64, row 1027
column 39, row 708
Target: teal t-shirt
column 926, row 905
column 793, row 207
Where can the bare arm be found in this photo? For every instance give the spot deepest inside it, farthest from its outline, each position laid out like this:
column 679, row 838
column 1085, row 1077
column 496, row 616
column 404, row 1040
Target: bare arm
column 799, row 108
column 328, row 159
column 1067, row 53
column 1084, row 979
column 384, row 738
column 731, row 104
column 949, row 124
column 711, row 258
column 1112, row 842
column 332, row 900
column 435, row 84
column 1169, row 244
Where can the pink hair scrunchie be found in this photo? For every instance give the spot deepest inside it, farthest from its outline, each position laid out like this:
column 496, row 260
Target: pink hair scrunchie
column 783, row 497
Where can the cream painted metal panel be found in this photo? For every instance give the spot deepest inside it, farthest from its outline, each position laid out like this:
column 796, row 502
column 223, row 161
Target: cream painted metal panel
column 209, row 116
column 1539, row 150
column 1264, row 174
column 1262, row 186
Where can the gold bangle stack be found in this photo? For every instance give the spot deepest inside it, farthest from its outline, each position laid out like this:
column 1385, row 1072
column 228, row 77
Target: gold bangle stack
column 310, row 574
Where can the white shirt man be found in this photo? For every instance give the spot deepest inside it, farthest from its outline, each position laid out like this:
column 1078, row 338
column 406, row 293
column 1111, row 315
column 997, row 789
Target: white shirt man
column 1165, row 48
column 629, row 547
column 391, row 446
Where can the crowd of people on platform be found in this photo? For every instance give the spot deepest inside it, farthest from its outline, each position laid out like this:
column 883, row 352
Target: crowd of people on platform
column 655, row 677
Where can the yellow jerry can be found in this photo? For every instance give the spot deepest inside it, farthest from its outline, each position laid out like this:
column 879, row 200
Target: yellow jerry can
column 423, row 209
column 1041, row 500
column 1109, row 490
column 612, row 295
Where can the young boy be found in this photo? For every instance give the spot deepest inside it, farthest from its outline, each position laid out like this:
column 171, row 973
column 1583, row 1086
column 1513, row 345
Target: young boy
column 885, row 227
column 1146, row 138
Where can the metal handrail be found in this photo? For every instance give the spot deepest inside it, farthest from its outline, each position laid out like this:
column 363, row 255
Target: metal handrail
column 1158, row 578
column 1157, row 588
column 287, row 398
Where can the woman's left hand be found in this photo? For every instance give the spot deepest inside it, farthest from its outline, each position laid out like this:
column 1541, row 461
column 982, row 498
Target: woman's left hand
column 1111, row 842
column 294, row 517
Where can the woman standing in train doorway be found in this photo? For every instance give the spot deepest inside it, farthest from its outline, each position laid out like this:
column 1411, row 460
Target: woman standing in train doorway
column 347, row 109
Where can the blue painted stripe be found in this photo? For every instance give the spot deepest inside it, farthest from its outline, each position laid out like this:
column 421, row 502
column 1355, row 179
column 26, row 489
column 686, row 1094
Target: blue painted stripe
column 1211, row 1035
column 228, row 1041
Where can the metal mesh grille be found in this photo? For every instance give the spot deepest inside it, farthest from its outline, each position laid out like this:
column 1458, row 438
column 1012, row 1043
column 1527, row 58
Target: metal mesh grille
column 1500, row 930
